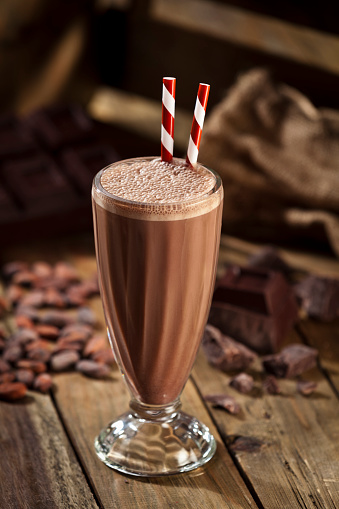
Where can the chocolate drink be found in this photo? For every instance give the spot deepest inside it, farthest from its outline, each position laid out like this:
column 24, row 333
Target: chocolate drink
column 157, row 230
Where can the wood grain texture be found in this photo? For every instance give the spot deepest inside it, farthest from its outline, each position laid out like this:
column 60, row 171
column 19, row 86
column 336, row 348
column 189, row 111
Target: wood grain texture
column 287, row 445
column 38, row 467
column 87, row 406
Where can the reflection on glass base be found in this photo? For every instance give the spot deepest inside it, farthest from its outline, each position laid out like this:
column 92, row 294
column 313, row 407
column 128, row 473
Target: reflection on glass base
column 153, row 441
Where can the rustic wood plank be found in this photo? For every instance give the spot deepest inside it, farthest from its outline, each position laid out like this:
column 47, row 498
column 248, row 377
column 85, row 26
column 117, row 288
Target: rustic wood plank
column 324, row 337
column 264, row 33
column 291, row 442
column 286, row 445
column 38, row 467
column 88, row 406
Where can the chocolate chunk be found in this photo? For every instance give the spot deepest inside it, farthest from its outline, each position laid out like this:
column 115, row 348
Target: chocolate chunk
column 291, row 361
column 254, row 306
column 305, row 387
column 242, row 383
column 319, row 297
column 38, row 184
column 224, row 352
column 244, row 444
column 15, row 139
column 60, row 125
column 224, row 401
column 268, row 258
column 81, row 163
column 271, row 385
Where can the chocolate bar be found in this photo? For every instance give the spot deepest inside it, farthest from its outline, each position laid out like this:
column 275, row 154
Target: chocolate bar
column 254, row 306
column 14, row 138
column 81, row 163
column 47, row 164
column 268, row 258
column 60, row 125
column 291, row 361
column 224, row 352
column 319, row 297
column 224, row 401
column 37, row 184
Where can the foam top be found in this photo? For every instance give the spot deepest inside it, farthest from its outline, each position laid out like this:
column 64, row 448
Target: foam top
column 157, row 181
column 155, row 187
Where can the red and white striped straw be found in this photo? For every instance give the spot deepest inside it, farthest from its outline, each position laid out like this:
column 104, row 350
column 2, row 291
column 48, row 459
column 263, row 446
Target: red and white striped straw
column 197, row 124
column 167, row 121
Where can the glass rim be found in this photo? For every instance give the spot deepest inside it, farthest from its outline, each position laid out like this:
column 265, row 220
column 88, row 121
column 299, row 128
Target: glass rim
column 141, row 204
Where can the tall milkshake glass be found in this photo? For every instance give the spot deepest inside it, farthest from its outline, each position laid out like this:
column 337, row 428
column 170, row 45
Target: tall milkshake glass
column 157, row 230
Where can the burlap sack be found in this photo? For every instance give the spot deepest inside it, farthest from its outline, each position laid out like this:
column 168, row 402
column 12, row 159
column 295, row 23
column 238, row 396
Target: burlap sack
column 279, row 160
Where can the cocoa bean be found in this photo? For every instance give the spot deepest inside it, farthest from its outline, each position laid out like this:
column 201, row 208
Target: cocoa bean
column 84, row 329
column 23, row 322
column 92, row 369
column 2, row 344
column 62, row 346
column 23, row 336
column 42, row 269
column 95, row 344
column 39, row 343
column 57, row 318
column 12, row 391
column 4, row 366
column 65, row 271
column 74, row 297
column 12, row 353
column 43, row 382
column 14, row 293
column 35, row 366
column 64, row 360
column 105, row 356
column 39, row 354
column 47, row 331
column 11, row 268
column 24, row 278
column 86, row 315
column 4, row 306
column 7, row 377
column 54, row 298
column 78, row 335
column 25, row 376
column 30, row 312
column 34, row 299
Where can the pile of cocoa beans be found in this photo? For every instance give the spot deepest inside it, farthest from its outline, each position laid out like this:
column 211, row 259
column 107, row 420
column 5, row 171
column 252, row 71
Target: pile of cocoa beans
column 52, row 328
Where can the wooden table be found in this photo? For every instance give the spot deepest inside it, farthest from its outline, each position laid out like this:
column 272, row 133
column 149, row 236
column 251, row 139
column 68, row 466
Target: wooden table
column 281, row 451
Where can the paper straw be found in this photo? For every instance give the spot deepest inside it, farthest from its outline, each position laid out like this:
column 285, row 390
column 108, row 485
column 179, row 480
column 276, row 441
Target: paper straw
column 197, row 124
column 167, row 121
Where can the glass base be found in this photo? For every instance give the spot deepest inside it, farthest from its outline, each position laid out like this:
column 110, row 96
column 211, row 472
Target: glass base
column 154, row 441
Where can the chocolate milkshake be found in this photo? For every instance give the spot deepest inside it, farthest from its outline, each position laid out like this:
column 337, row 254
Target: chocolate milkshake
column 157, row 230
